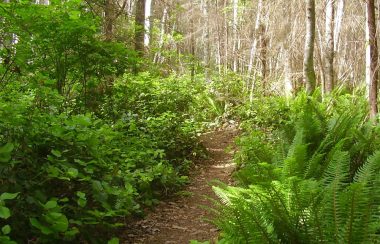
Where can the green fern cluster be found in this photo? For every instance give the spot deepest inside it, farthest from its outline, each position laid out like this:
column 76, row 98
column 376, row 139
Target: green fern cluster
column 320, row 184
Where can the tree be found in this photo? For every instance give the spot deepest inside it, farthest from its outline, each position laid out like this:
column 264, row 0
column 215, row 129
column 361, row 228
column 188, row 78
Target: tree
column 109, row 12
column 235, row 25
column 308, row 63
column 253, row 50
column 329, row 47
column 147, row 16
column 372, row 58
column 139, row 26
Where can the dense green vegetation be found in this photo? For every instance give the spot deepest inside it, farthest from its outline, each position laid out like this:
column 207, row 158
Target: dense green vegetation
column 308, row 173
column 94, row 130
column 72, row 171
column 84, row 144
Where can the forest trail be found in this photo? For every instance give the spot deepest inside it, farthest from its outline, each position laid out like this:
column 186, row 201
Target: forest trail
column 179, row 220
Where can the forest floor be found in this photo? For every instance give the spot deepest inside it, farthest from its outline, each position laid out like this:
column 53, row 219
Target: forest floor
column 183, row 218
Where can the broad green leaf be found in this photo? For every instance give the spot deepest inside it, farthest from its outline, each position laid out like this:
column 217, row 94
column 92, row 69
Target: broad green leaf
column 4, row 212
column 64, row 200
column 6, row 229
column 56, row 153
column 8, row 196
column 6, row 240
column 81, row 194
column 5, row 152
column 58, row 221
column 72, row 172
column 45, row 230
column 51, row 204
column 72, row 232
column 82, row 202
column 7, row 148
column 113, row 241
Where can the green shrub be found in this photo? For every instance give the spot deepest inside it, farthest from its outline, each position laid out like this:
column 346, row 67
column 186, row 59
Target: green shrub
column 77, row 175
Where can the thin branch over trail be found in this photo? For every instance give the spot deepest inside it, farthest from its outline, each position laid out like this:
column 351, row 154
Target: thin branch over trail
column 183, row 219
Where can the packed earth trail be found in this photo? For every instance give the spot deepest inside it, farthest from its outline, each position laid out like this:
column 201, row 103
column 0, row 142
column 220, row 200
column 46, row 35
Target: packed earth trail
column 182, row 219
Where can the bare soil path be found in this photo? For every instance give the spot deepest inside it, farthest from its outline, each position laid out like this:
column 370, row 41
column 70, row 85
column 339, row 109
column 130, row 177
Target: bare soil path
column 179, row 220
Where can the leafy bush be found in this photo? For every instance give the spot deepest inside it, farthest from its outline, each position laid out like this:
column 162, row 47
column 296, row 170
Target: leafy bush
column 58, row 45
column 77, row 174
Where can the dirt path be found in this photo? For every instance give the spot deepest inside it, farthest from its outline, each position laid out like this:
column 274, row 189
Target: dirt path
column 180, row 220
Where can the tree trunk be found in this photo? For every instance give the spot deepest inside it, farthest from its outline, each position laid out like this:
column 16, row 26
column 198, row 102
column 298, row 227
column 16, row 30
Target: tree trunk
column 157, row 57
column 338, row 23
column 108, row 19
column 253, row 51
column 43, row 2
column 148, row 14
column 218, row 53
column 329, row 47
column 192, row 44
column 235, row 34
column 308, row 63
column 226, row 40
column 254, row 43
column 130, row 5
column 287, row 49
column 263, row 55
column 288, row 86
column 206, row 39
column 372, row 58
column 139, row 27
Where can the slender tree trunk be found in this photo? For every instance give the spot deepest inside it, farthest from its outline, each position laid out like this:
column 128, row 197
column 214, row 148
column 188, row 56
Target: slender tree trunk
column 338, row 23
column 319, row 56
column 139, row 27
column 339, row 60
column 372, row 58
column 252, row 55
column 287, row 48
column 206, row 39
column 253, row 51
column 288, row 87
column 226, row 40
column 329, row 47
column 192, row 44
column 235, row 48
column 162, row 34
column 219, row 42
column 108, row 19
column 148, row 14
column 308, row 63
column 129, row 7
column 263, row 55
column 3, row 41
column 43, row 2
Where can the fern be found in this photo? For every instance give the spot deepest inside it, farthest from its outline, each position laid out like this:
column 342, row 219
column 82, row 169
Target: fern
column 316, row 188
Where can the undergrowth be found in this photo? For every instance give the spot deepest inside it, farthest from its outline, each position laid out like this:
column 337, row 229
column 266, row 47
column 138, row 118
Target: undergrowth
column 311, row 175
column 69, row 176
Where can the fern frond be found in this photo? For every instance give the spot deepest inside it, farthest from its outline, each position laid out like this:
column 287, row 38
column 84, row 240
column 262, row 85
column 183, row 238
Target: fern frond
column 335, row 180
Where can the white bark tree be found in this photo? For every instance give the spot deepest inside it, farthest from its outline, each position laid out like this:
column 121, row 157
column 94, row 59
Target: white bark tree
column 147, row 22
column 329, row 47
column 157, row 56
column 308, row 63
column 235, row 26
